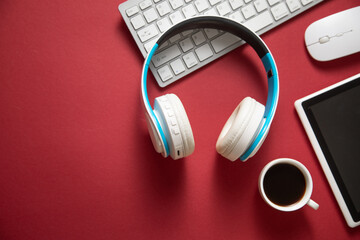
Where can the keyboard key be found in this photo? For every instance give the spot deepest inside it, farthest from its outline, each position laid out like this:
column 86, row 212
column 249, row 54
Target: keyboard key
column 165, row 73
column 260, row 5
column 163, row 45
column 213, row 2
column 176, row 17
column 174, row 38
column 145, row 4
column 132, row 11
column 186, row 44
column 163, row 24
column 177, row 66
column 224, row 41
column 306, row 2
column 237, row 17
column 262, row 20
column 148, row 46
column 279, row 11
column 166, row 55
column 189, row 11
column 211, row 12
column 235, row 4
column 210, row 32
column 137, row 22
column 223, row 8
column 147, row 33
column 248, row 11
column 201, row 5
column 198, row 38
column 187, row 32
column 273, row 2
column 163, row 8
column 175, row 4
column 150, row 15
column 204, row 52
column 293, row 5
column 190, row 59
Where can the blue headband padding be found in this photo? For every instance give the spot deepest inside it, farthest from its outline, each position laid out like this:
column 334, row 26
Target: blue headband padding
column 147, row 102
column 271, row 102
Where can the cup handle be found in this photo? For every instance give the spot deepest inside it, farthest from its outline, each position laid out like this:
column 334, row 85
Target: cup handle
column 313, row 204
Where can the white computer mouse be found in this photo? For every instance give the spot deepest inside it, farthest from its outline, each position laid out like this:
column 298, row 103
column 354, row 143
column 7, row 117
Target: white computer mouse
column 335, row 36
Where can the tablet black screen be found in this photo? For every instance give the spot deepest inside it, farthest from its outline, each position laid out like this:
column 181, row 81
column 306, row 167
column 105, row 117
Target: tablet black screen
column 335, row 119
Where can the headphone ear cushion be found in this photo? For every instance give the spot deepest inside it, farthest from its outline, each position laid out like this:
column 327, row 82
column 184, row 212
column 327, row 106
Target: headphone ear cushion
column 183, row 123
column 240, row 129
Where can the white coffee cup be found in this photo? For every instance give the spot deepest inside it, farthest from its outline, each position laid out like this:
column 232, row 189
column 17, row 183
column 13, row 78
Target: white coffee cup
column 302, row 200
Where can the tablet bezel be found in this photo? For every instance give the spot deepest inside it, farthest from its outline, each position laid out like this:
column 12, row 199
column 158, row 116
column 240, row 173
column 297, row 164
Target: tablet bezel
column 299, row 105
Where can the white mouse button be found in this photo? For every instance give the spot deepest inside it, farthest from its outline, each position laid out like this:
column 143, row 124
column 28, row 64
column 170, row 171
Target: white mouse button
column 324, row 39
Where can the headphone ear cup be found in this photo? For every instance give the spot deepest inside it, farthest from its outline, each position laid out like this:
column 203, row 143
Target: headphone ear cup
column 176, row 125
column 240, row 129
column 184, row 124
column 155, row 136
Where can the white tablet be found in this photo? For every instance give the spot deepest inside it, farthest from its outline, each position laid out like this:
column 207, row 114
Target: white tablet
column 331, row 118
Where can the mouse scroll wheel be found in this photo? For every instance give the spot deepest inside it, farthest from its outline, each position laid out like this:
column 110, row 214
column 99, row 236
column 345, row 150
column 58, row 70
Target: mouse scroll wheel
column 324, row 39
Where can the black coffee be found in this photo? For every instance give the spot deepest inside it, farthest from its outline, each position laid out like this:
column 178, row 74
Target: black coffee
column 284, row 184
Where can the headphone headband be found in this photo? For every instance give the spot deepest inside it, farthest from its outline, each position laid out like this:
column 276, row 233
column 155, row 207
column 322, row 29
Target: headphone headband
column 219, row 23
column 248, row 36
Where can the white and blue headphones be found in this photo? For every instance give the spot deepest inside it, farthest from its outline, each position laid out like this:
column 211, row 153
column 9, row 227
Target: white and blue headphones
column 245, row 130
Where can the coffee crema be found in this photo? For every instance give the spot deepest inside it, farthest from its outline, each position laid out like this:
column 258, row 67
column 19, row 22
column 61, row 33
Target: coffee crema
column 284, row 184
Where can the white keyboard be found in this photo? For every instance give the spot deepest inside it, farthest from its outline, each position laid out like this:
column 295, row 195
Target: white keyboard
column 190, row 50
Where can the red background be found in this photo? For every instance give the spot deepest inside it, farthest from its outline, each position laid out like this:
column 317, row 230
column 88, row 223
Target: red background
column 76, row 158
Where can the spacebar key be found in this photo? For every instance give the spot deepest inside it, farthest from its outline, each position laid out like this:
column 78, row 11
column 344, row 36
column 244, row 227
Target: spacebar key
column 259, row 22
column 224, row 41
column 166, row 55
